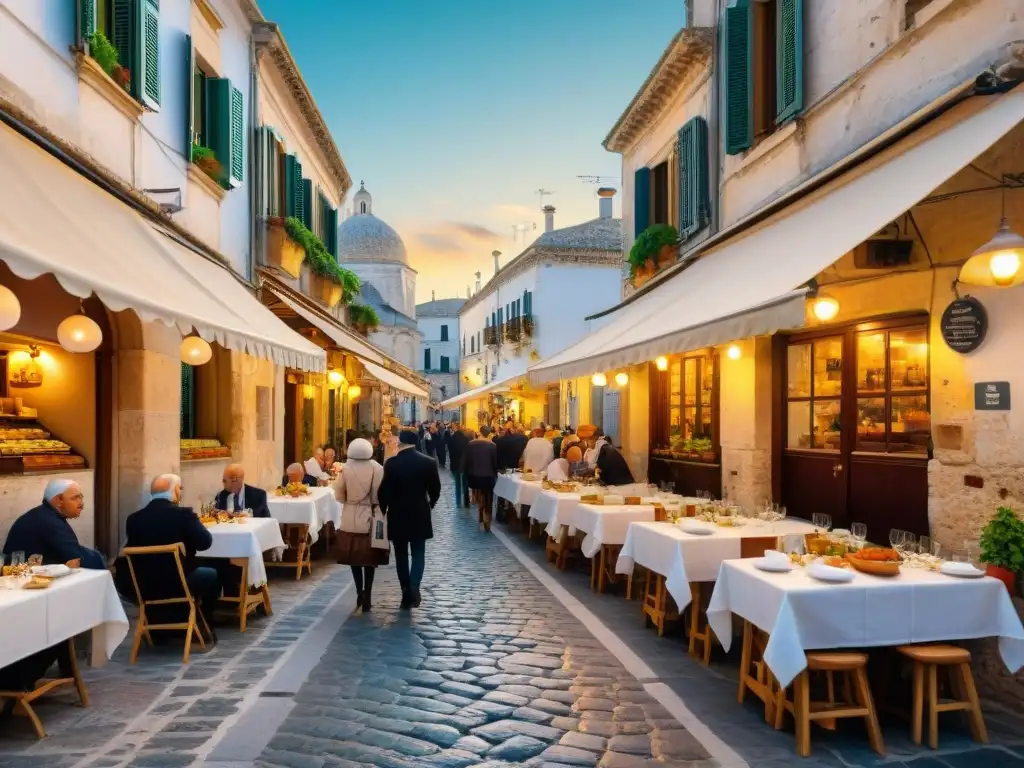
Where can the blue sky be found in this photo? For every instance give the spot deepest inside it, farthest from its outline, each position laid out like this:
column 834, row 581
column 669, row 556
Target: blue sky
column 456, row 111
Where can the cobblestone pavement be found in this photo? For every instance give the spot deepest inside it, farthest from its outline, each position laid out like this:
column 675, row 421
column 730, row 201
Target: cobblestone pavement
column 158, row 711
column 491, row 671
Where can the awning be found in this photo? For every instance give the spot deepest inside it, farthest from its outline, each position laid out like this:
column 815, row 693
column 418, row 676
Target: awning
column 55, row 221
column 473, row 394
column 341, row 336
column 394, row 380
column 750, row 285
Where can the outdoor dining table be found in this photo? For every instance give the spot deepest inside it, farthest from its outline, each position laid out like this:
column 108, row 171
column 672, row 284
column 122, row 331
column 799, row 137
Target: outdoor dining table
column 243, row 544
column 606, row 528
column 514, row 489
column 800, row 613
column 314, row 510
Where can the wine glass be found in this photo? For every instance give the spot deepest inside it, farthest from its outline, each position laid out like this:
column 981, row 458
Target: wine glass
column 822, row 521
column 925, row 546
column 972, row 548
column 896, row 537
column 17, row 558
column 859, row 531
column 909, row 546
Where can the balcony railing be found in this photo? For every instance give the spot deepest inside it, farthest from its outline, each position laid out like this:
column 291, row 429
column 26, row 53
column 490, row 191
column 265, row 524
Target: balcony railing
column 491, row 336
column 519, row 329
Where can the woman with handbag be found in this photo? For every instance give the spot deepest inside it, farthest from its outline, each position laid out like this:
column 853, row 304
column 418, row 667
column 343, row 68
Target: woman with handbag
column 363, row 541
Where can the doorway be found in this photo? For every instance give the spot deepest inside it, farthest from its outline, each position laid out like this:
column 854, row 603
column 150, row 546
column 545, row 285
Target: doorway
column 853, row 426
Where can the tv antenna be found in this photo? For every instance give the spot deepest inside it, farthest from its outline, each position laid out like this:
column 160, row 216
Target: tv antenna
column 542, row 193
column 522, row 229
column 601, row 180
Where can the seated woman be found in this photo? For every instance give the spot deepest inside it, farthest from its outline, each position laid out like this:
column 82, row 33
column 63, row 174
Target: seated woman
column 613, row 467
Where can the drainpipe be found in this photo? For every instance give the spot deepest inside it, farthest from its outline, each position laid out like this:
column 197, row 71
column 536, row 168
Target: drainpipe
column 716, row 123
column 264, row 33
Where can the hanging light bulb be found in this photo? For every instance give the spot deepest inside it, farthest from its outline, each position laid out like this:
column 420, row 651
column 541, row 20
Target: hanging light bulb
column 10, row 309
column 997, row 262
column 734, row 352
column 335, row 378
column 599, row 380
column 354, row 391
column 621, row 379
column 79, row 333
column 661, row 363
column 195, row 351
column 825, row 308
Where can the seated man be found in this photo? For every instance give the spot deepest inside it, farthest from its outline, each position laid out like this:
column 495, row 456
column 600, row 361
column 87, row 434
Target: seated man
column 613, row 467
column 163, row 522
column 296, row 473
column 45, row 530
column 237, row 495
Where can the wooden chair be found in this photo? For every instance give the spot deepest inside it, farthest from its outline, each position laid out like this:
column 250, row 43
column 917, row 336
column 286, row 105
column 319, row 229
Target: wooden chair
column 755, row 676
column 23, row 699
column 143, row 627
column 857, row 694
column 700, row 638
column 602, row 567
column 296, row 539
column 927, row 660
column 656, row 602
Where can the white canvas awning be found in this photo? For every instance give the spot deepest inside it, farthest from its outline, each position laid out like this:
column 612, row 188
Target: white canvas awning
column 341, row 336
column 55, row 221
column 494, row 387
column 395, row 380
column 751, row 284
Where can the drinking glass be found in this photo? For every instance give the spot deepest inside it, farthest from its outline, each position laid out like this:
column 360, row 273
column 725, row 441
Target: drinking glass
column 924, row 545
column 909, row 545
column 896, row 537
column 822, row 521
column 17, row 558
column 859, row 531
column 972, row 548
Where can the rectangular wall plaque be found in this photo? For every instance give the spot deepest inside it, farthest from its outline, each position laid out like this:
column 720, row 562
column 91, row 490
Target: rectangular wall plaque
column 992, row 396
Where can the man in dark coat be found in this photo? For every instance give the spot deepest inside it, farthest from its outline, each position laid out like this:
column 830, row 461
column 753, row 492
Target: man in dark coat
column 163, row 522
column 458, row 440
column 482, row 469
column 613, row 466
column 408, row 492
column 510, row 447
column 237, row 496
column 440, row 440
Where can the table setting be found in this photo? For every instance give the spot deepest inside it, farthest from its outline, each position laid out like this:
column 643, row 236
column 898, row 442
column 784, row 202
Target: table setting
column 246, row 538
column 314, row 509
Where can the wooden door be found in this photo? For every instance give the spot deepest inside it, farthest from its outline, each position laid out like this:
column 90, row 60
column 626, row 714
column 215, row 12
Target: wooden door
column 290, row 395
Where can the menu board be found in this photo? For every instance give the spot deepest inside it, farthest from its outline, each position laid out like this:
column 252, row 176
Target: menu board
column 964, row 324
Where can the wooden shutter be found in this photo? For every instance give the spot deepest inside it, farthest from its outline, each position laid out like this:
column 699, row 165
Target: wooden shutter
column 737, row 62
column 789, row 59
column 125, row 26
column 188, row 401
column 236, row 131
column 288, row 186
column 692, row 151
column 190, row 96
column 218, row 122
column 272, row 172
column 297, row 192
column 641, row 200
column 86, row 19
column 307, row 204
column 331, row 225
column 149, row 58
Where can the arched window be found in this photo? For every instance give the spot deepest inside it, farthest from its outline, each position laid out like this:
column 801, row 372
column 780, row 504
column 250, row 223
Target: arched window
column 362, row 207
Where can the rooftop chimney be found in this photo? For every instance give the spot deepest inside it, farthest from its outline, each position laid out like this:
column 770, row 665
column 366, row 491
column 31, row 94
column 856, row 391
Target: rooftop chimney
column 497, row 264
column 432, row 297
column 469, row 293
column 477, row 283
column 549, row 217
column 604, row 205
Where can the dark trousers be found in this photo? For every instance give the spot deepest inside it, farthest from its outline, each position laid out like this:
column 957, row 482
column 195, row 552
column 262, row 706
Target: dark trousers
column 461, row 488
column 442, row 457
column 205, row 585
column 24, row 674
column 410, row 578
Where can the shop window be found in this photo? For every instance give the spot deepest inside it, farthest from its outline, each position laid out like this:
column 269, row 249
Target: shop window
column 815, row 390
column 444, row 332
column 597, row 406
column 892, row 391
column 691, row 399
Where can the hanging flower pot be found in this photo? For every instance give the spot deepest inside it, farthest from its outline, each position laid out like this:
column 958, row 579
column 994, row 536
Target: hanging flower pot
column 283, row 252
column 324, row 290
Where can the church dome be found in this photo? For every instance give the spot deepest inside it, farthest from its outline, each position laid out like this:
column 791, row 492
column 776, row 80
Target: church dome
column 364, row 237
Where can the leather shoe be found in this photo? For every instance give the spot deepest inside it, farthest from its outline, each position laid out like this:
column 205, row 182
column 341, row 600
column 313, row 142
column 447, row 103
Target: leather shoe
column 417, row 598
column 406, row 600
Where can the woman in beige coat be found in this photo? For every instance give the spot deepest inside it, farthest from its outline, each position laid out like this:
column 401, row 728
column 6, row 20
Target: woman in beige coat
column 356, row 488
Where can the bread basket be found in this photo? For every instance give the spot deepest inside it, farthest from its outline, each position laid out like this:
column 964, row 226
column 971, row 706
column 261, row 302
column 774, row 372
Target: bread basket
column 874, row 567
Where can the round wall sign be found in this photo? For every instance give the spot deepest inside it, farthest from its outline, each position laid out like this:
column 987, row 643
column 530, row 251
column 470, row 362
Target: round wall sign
column 964, row 324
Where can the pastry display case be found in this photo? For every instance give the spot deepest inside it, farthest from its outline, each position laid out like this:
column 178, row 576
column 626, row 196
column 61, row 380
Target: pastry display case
column 27, row 446
column 203, row 448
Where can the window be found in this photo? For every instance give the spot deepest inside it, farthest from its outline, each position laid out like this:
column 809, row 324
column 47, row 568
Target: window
column 362, row 207
column 290, row 186
column 692, row 400
column 426, row 359
column 892, row 391
column 659, row 194
column 527, row 302
column 814, row 391
column 215, row 119
column 444, row 364
column 462, row 349
column 188, row 401
column 133, row 27
column 762, row 44
column 199, row 78
column 685, row 180
column 444, row 332
column 478, row 341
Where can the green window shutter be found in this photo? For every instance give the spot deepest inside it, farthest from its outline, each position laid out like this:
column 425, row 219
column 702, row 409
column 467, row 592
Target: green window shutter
column 150, row 53
column 288, row 187
column 301, row 209
column 188, row 401
column 125, row 26
column 190, row 96
column 331, row 224
column 737, row 63
column 692, row 151
column 86, row 19
column 218, row 122
column 789, row 59
column 271, row 170
column 641, row 200
column 236, row 131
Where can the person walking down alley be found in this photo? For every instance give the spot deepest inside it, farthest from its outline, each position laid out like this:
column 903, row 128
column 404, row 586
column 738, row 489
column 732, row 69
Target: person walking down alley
column 457, row 444
column 358, row 489
column 408, row 493
column 440, row 438
column 482, row 473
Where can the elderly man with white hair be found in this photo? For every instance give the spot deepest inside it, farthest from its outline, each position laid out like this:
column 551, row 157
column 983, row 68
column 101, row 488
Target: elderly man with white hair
column 161, row 522
column 45, row 530
column 296, row 473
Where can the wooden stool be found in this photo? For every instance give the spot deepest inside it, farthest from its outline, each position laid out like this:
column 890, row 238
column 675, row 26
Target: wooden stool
column 655, row 605
column 927, row 660
column 699, row 637
column 761, row 683
column 853, row 668
column 557, row 549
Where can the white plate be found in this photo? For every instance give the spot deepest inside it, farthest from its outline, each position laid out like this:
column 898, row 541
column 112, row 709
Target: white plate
column 961, row 570
column 823, row 572
column 772, row 567
column 52, row 571
column 696, row 529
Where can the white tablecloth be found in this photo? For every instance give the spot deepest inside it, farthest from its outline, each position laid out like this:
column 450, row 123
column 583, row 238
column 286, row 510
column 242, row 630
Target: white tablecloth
column 684, row 557
column 607, row 524
column 250, row 540
column 315, row 510
column 800, row 613
column 516, row 490
column 38, row 619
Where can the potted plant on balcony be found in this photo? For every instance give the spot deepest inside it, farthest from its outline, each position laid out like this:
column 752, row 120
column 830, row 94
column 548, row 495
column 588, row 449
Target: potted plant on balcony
column 206, row 160
column 654, row 249
column 363, row 318
column 282, row 251
column 328, row 281
column 1002, row 547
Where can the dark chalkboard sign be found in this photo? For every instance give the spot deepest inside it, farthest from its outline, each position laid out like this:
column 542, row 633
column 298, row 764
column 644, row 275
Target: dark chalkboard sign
column 992, row 396
column 964, row 324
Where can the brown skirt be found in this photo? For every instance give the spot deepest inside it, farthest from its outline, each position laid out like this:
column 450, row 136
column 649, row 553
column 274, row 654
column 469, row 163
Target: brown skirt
column 356, row 549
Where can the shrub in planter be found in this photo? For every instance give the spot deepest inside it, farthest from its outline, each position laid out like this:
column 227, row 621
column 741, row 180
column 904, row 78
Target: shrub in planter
column 320, row 261
column 206, row 160
column 363, row 318
column 105, row 54
column 648, row 246
column 1002, row 547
